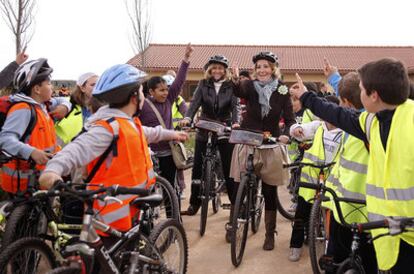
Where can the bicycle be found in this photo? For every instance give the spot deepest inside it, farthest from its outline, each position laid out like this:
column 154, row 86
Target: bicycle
column 132, row 251
column 249, row 200
column 212, row 183
column 287, row 196
column 318, row 232
column 325, row 262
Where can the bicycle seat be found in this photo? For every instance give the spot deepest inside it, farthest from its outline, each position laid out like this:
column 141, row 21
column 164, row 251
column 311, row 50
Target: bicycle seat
column 152, row 200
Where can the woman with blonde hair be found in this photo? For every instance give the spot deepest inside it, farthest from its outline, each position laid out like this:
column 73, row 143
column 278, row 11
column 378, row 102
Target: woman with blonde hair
column 267, row 101
column 215, row 95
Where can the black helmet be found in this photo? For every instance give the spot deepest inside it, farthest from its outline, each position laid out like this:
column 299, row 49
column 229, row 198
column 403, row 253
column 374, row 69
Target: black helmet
column 217, row 59
column 30, row 74
column 266, row 55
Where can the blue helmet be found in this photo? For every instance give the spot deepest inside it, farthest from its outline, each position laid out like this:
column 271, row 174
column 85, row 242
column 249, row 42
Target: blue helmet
column 116, row 83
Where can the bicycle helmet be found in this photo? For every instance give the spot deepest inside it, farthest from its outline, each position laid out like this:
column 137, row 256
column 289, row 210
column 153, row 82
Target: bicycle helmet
column 169, row 79
column 116, row 83
column 266, row 55
column 217, row 59
column 31, row 73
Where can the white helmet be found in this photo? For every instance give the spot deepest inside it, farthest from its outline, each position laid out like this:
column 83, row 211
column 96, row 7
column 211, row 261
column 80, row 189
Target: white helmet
column 168, row 79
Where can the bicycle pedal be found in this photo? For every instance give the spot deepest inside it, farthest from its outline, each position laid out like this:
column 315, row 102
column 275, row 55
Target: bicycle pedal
column 327, row 263
column 226, row 206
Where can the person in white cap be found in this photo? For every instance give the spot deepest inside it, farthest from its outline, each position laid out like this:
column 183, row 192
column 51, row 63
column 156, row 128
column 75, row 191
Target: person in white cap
column 71, row 125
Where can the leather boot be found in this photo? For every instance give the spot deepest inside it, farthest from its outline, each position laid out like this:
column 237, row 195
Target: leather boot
column 270, row 225
column 228, row 225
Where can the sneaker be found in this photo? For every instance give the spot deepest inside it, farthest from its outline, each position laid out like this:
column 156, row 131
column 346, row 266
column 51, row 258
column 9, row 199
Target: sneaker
column 295, row 254
column 292, row 207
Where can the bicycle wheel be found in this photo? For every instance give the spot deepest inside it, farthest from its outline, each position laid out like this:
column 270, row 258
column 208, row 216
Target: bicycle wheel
column 205, row 194
column 169, row 208
column 240, row 223
column 258, row 200
column 284, row 202
column 171, row 241
column 318, row 234
column 350, row 266
column 25, row 220
column 27, row 256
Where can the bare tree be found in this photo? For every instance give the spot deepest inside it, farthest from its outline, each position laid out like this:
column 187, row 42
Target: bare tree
column 139, row 12
column 19, row 17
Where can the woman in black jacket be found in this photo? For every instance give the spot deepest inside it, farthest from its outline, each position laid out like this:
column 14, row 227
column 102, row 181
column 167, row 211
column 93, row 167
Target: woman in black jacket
column 215, row 95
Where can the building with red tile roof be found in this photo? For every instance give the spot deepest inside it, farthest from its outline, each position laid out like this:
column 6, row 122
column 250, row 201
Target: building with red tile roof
column 306, row 60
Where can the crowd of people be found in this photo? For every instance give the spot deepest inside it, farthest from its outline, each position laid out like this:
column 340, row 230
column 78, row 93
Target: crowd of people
column 104, row 133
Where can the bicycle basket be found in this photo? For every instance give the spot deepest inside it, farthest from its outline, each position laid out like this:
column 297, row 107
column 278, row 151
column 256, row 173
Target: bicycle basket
column 210, row 126
column 246, row 137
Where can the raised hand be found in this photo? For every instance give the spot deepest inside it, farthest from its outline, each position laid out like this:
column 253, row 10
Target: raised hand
column 188, row 51
column 328, row 69
column 299, row 88
column 21, row 57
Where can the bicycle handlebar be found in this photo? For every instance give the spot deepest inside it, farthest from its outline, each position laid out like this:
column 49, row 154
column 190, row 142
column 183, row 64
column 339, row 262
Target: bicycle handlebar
column 301, row 164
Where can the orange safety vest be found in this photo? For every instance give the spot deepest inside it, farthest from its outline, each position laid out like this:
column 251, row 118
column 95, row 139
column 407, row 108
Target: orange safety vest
column 129, row 165
column 16, row 173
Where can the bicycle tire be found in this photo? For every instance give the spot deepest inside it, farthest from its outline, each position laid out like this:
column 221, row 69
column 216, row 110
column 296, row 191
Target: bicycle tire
column 170, row 226
column 350, row 267
column 25, row 244
column 205, row 198
column 315, row 232
column 282, row 205
column 169, row 199
column 66, row 270
column 241, row 211
column 258, row 207
column 22, row 222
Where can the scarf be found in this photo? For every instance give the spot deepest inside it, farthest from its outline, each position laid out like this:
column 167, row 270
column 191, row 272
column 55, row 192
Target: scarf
column 265, row 90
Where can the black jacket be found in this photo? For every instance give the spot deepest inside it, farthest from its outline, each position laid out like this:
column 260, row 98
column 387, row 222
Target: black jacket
column 223, row 106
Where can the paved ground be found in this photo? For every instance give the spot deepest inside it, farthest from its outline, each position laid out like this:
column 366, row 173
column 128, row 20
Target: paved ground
column 211, row 254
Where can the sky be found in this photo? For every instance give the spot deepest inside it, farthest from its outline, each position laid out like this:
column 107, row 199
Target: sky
column 78, row 36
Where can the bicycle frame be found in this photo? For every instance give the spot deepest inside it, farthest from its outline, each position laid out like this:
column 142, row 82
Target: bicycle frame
column 91, row 244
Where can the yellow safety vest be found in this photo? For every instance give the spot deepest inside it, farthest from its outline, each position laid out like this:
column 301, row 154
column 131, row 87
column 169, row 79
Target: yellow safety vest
column 348, row 179
column 69, row 127
column 176, row 114
column 390, row 180
column 316, row 155
column 293, row 148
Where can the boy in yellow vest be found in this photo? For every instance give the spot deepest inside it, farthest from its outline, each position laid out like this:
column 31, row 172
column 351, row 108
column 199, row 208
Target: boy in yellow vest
column 325, row 147
column 388, row 127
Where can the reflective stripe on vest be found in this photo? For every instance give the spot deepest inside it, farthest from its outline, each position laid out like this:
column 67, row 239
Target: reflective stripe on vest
column 354, row 166
column 390, row 179
column 344, row 192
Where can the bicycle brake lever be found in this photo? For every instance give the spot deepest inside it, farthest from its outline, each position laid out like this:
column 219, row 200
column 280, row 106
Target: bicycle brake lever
column 394, row 226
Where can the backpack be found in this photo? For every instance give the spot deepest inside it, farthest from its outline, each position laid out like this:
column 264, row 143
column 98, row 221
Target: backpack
column 5, row 105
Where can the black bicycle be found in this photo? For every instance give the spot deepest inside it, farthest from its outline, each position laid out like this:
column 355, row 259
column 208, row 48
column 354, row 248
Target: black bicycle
column 165, row 250
column 325, row 262
column 212, row 183
column 249, row 200
column 287, row 196
column 318, row 232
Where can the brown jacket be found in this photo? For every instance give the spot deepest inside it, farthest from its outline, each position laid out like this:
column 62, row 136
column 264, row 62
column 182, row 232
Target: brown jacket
column 281, row 106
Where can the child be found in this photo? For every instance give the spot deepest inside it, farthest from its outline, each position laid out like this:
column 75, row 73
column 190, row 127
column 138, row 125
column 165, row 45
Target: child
column 129, row 164
column 162, row 98
column 28, row 132
column 384, row 91
column 325, row 147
